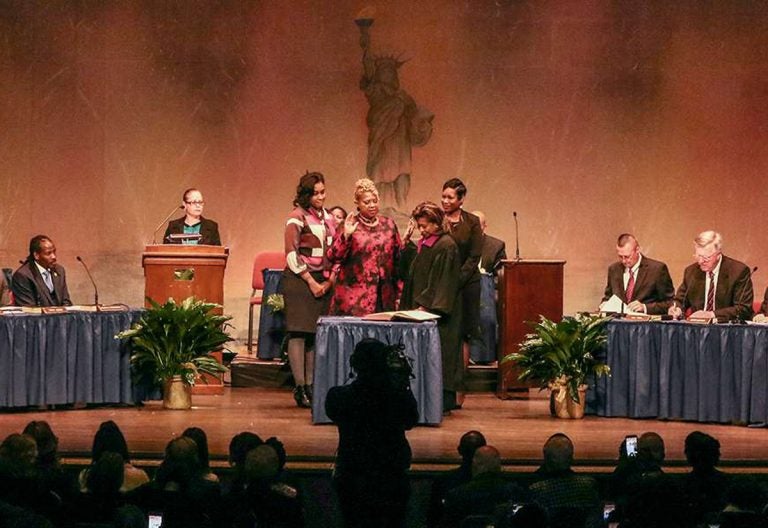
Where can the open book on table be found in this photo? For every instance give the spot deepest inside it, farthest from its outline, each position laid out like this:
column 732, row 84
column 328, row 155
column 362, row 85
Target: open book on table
column 414, row 316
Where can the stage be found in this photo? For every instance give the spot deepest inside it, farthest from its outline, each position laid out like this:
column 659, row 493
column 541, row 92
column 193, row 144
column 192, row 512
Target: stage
column 518, row 428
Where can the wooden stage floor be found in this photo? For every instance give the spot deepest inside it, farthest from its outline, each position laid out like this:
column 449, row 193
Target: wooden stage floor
column 518, row 428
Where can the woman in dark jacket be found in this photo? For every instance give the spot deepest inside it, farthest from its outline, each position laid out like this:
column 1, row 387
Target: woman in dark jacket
column 192, row 223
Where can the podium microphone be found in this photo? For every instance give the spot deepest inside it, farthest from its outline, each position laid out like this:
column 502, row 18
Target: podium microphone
column 95, row 289
column 161, row 224
column 517, row 237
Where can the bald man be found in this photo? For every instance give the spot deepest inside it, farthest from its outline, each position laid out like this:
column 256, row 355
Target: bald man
column 494, row 249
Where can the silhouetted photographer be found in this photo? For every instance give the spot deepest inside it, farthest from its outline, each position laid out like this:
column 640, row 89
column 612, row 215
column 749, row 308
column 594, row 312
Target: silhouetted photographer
column 372, row 414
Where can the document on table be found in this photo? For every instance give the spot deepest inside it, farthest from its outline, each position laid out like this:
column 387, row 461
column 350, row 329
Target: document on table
column 616, row 305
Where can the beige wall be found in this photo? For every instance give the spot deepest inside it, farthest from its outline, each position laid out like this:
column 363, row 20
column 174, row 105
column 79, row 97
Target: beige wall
column 588, row 118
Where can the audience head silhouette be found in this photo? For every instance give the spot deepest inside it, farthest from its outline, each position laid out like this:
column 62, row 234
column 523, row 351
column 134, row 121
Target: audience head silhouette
column 109, row 437
column 702, row 450
column 469, row 443
column 487, row 459
column 558, row 452
column 650, row 448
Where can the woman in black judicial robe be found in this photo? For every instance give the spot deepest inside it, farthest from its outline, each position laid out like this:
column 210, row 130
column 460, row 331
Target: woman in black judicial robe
column 432, row 285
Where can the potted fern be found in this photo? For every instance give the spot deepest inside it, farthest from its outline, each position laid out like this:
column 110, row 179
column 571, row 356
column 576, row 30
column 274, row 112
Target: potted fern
column 560, row 356
column 172, row 344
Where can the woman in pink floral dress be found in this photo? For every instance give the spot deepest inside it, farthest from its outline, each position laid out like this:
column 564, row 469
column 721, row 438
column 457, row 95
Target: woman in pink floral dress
column 368, row 251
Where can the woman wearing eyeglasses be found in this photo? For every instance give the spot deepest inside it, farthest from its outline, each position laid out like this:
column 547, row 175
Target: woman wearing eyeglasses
column 185, row 230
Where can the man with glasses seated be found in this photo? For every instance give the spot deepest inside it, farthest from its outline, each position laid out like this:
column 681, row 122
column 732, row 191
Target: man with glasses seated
column 192, row 228
column 40, row 281
column 642, row 283
column 715, row 285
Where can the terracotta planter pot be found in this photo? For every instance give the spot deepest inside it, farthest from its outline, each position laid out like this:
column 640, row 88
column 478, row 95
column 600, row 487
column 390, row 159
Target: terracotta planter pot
column 177, row 394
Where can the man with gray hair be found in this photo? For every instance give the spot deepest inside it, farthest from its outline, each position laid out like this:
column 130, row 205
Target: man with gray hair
column 715, row 285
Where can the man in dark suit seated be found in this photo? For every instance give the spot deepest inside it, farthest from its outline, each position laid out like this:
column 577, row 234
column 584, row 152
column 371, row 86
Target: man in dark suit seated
column 40, row 281
column 642, row 283
column 714, row 286
column 494, row 249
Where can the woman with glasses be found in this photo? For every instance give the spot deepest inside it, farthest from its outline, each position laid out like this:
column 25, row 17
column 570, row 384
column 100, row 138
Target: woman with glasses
column 192, row 228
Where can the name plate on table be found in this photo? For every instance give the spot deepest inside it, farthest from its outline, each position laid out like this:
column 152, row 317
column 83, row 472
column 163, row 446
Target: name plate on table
column 702, row 320
column 40, row 310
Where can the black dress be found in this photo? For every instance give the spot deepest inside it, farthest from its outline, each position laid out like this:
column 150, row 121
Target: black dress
column 432, row 282
column 468, row 235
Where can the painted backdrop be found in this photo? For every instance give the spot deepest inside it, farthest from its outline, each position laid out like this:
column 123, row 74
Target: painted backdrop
column 588, row 118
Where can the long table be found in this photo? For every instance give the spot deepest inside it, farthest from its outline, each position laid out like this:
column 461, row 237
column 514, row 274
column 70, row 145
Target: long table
column 685, row 371
column 65, row 358
column 336, row 339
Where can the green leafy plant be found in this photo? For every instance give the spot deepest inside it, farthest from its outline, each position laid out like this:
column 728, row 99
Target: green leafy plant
column 562, row 354
column 176, row 340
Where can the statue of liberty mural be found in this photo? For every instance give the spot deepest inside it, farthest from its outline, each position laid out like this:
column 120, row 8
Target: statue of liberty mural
column 395, row 123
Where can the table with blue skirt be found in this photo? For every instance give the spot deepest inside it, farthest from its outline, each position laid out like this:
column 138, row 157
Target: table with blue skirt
column 271, row 324
column 53, row 359
column 336, row 339
column 684, row 371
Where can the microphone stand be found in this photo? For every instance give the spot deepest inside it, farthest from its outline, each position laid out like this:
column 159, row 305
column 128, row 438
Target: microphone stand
column 95, row 289
column 154, row 233
column 517, row 238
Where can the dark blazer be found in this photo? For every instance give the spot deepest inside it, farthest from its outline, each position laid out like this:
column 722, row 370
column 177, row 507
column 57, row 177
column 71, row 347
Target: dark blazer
column 733, row 298
column 468, row 235
column 653, row 285
column 209, row 231
column 764, row 306
column 29, row 289
column 494, row 251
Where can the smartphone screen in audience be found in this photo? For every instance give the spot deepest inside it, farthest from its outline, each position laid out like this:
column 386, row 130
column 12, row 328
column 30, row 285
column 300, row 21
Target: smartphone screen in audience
column 155, row 520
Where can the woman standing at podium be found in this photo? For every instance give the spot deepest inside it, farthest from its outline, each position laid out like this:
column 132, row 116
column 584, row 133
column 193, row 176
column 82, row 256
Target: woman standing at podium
column 367, row 248
column 307, row 278
column 193, row 223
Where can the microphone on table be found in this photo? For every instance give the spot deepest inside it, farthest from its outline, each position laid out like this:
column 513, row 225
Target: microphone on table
column 161, row 224
column 95, row 289
column 517, row 237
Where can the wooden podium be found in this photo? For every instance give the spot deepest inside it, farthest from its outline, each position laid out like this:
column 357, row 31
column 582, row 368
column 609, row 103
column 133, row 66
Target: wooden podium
column 179, row 271
column 527, row 289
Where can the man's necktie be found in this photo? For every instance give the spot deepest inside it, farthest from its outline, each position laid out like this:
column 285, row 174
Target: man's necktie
column 711, row 292
column 630, row 286
column 48, row 281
